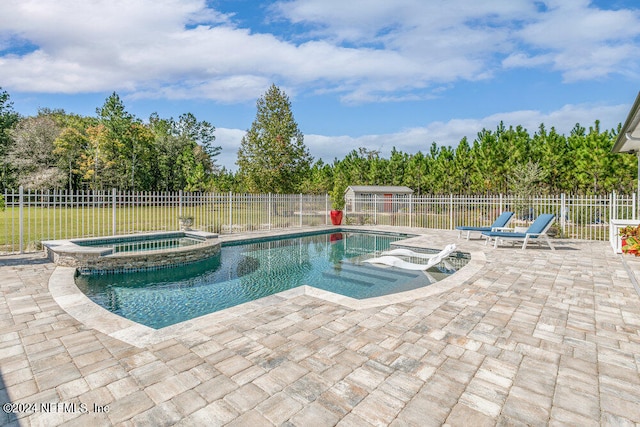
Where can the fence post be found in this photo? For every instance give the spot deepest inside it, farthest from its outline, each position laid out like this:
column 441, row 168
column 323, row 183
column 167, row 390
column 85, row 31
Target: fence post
column 230, row 212
column 563, row 212
column 451, row 212
column 638, row 184
column 113, row 211
column 326, row 209
column 633, row 206
column 21, row 218
column 269, row 210
column 179, row 204
column 375, row 209
column 611, row 217
column 614, row 210
column 54, row 218
column 612, row 239
column 300, row 210
column 410, row 210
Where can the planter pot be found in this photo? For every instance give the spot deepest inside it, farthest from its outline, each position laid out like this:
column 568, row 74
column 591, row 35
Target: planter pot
column 185, row 224
column 336, row 217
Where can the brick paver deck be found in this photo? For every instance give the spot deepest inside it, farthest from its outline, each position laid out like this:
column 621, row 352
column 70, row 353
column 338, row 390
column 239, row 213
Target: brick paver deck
column 534, row 337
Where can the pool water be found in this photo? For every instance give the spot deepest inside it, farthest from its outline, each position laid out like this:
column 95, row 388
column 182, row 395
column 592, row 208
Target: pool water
column 249, row 271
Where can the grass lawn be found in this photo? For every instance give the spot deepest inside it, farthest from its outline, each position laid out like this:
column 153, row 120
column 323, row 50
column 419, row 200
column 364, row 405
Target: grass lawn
column 50, row 223
column 43, row 223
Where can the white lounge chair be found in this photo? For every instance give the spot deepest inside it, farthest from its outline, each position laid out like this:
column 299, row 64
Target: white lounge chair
column 408, row 252
column 394, row 261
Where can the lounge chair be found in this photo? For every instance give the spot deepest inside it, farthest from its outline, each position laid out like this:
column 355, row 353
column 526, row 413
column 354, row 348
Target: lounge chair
column 500, row 222
column 394, row 261
column 536, row 230
column 408, row 252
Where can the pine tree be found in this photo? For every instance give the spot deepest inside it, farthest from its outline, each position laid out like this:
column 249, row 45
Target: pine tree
column 272, row 155
column 8, row 119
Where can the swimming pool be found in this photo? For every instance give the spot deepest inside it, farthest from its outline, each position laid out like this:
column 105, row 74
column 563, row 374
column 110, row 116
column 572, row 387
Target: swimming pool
column 248, row 270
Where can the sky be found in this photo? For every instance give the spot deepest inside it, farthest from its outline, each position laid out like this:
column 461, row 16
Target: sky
column 376, row 74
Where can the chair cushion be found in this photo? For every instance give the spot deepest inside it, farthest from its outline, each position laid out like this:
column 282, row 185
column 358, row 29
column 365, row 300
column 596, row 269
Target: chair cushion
column 502, row 220
column 540, row 223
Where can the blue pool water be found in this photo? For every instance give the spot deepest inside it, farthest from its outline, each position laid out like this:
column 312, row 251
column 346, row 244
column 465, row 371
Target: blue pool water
column 252, row 270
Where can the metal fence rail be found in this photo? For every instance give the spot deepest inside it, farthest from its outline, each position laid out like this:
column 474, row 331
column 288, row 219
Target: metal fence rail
column 32, row 216
column 577, row 217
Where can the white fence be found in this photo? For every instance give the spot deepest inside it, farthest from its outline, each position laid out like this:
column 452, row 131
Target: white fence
column 577, row 217
column 33, row 216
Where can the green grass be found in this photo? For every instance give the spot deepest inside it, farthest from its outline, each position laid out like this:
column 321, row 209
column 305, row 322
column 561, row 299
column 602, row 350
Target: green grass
column 64, row 223
column 44, row 223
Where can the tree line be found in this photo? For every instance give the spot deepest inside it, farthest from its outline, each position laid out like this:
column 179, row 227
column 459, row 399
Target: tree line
column 505, row 160
column 115, row 149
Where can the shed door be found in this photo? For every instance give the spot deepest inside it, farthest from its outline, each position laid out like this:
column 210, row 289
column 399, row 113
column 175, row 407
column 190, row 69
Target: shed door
column 388, row 202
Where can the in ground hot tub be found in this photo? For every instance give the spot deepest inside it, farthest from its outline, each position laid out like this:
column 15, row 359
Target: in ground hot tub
column 134, row 252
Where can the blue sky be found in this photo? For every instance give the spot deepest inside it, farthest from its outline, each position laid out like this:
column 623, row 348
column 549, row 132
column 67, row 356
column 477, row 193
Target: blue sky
column 375, row 74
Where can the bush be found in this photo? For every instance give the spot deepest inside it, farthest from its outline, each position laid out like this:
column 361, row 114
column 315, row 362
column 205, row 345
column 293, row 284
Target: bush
column 337, row 197
column 1, row 202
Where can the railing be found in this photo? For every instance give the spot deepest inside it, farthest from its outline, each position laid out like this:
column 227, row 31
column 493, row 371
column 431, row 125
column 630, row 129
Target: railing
column 577, row 217
column 33, row 216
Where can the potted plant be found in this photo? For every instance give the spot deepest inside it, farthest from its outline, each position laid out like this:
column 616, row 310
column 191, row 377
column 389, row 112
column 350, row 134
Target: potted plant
column 337, row 204
column 185, row 222
column 630, row 236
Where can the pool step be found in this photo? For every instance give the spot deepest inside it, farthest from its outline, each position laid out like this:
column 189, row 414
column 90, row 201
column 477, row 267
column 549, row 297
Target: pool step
column 347, row 279
column 357, row 274
column 374, row 274
column 389, row 270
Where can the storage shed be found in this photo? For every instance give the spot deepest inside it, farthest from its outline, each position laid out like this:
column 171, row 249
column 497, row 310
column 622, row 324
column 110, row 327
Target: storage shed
column 379, row 198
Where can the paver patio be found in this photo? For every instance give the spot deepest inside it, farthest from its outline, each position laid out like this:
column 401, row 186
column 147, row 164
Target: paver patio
column 533, row 337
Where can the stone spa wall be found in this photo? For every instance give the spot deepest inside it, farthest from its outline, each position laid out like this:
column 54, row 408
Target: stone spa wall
column 102, row 260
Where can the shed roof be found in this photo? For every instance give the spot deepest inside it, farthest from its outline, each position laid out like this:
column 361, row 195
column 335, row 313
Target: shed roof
column 382, row 189
column 629, row 138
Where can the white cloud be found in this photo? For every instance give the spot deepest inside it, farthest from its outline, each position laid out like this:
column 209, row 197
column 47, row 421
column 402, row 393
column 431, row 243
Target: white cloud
column 580, row 41
column 230, row 89
column 156, row 54
column 229, row 140
column 379, row 52
column 570, row 36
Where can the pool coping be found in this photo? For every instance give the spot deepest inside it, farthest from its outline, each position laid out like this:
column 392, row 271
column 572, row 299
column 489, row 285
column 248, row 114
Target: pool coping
column 72, row 300
column 74, row 245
